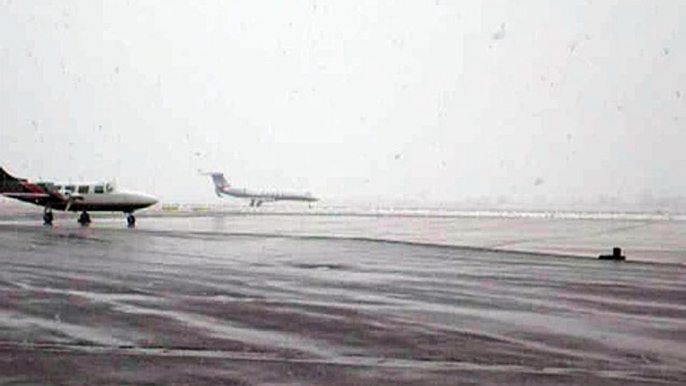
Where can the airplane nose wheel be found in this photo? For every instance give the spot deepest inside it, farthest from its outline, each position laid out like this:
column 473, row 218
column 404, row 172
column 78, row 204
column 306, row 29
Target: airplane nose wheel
column 84, row 218
column 47, row 217
column 131, row 220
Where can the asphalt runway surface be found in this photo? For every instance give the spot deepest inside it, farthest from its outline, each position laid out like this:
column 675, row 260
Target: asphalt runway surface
column 169, row 305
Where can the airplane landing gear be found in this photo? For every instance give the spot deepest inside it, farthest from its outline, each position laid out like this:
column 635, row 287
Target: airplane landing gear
column 47, row 217
column 130, row 220
column 84, row 218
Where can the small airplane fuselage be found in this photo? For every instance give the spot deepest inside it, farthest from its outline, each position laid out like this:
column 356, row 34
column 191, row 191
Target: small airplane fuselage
column 100, row 197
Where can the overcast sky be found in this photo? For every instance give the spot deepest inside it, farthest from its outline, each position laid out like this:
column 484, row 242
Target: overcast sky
column 431, row 100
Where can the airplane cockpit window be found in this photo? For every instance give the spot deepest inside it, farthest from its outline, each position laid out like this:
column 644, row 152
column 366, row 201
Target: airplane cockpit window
column 109, row 187
column 99, row 189
column 57, row 187
column 70, row 188
column 83, row 189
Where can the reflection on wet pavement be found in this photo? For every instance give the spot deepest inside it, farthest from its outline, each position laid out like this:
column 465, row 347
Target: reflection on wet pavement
column 115, row 306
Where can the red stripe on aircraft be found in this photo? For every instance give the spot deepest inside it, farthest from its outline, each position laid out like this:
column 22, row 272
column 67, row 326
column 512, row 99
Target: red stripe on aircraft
column 33, row 188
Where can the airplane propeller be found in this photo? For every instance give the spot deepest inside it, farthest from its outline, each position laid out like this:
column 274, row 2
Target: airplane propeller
column 70, row 199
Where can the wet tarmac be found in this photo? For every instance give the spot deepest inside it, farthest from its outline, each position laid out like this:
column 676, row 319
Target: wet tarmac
column 205, row 303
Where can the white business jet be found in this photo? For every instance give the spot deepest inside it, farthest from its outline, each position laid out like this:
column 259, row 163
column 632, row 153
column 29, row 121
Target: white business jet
column 257, row 198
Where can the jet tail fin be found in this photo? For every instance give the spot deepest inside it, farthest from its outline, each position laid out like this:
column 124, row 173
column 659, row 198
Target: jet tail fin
column 219, row 180
column 7, row 181
column 4, row 176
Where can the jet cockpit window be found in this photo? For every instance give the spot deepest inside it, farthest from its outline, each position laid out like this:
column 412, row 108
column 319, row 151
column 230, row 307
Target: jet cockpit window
column 99, row 189
column 83, row 189
column 70, row 188
column 109, row 187
column 57, row 187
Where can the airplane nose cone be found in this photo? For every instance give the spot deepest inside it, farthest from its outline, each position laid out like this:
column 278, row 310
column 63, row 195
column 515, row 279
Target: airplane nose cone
column 146, row 199
column 150, row 200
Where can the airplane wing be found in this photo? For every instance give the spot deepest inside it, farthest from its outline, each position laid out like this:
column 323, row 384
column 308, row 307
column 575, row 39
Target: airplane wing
column 27, row 196
column 49, row 197
column 48, row 194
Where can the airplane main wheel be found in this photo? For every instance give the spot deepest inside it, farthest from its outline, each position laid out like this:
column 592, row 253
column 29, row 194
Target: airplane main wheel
column 84, row 218
column 47, row 217
column 131, row 220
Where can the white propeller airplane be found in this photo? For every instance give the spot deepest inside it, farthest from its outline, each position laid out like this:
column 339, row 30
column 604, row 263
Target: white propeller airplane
column 95, row 197
column 257, row 198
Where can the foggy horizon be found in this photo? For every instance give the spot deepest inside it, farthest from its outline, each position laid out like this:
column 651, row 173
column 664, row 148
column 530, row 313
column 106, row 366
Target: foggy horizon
column 506, row 102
